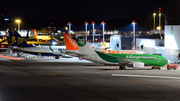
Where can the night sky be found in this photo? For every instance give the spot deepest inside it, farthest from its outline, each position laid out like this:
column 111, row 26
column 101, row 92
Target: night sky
column 91, row 9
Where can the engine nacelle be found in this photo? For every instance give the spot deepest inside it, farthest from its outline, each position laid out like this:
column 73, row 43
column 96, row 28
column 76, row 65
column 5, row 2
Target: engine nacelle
column 138, row 65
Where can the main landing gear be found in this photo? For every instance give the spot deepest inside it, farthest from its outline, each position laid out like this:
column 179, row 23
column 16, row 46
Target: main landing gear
column 56, row 57
column 122, row 67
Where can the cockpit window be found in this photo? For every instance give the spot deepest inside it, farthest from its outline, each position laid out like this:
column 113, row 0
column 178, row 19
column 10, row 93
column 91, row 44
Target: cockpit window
column 164, row 58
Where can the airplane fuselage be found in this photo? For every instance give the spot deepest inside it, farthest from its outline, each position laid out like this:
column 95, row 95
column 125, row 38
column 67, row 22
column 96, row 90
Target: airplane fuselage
column 35, row 50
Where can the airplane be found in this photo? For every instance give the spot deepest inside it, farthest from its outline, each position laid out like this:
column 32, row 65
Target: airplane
column 121, row 60
column 73, row 50
column 20, row 45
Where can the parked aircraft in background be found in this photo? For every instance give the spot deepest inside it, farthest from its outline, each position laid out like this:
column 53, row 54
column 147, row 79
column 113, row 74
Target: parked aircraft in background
column 20, row 45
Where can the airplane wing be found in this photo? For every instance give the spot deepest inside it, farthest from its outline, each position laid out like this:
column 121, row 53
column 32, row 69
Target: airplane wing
column 126, row 62
column 73, row 53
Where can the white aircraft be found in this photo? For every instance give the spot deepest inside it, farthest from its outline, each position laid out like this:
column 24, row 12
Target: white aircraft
column 122, row 60
column 20, row 45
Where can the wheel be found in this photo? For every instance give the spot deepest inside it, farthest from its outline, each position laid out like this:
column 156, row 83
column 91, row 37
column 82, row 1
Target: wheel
column 123, row 67
column 156, row 67
column 168, row 68
column 120, row 67
column 174, row 68
column 57, row 57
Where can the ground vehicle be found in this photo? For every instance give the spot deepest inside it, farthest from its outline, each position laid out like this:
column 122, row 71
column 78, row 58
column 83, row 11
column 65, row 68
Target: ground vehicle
column 172, row 67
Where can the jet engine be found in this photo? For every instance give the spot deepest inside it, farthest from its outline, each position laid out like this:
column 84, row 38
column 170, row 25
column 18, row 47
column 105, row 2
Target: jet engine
column 136, row 65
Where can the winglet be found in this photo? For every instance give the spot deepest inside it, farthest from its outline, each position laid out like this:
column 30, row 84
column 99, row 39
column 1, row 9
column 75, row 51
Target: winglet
column 69, row 42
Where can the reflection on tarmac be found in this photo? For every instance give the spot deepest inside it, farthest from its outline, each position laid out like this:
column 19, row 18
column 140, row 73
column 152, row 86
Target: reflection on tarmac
column 10, row 57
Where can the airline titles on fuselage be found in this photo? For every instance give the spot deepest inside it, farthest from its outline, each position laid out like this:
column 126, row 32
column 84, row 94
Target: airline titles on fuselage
column 118, row 52
column 140, row 57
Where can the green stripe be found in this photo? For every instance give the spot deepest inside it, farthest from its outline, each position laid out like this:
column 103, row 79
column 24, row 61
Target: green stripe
column 107, row 57
column 115, row 58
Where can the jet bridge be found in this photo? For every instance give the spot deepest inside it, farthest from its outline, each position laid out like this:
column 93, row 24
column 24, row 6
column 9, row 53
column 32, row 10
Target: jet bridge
column 115, row 42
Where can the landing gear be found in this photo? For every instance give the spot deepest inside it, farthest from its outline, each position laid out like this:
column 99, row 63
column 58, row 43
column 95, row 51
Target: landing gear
column 122, row 68
column 57, row 57
column 156, row 67
column 18, row 54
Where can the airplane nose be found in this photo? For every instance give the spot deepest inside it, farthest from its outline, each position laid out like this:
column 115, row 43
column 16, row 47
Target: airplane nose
column 169, row 61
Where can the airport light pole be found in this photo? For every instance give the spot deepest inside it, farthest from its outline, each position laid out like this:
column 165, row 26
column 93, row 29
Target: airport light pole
column 164, row 18
column 18, row 22
column 69, row 23
column 93, row 32
column 159, row 28
column 160, row 21
column 133, row 22
column 86, row 28
column 103, row 32
column 154, row 15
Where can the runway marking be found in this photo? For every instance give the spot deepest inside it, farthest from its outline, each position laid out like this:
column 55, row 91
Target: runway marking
column 54, row 74
column 165, row 77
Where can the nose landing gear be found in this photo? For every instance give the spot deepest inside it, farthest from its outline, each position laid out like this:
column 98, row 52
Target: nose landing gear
column 156, row 67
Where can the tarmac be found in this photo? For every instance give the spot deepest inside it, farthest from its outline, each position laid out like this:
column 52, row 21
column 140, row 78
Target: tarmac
column 71, row 79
